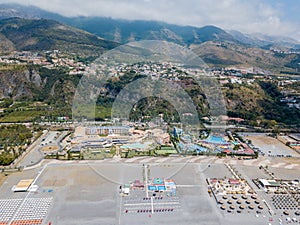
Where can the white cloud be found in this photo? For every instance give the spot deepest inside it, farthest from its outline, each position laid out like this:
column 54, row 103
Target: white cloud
column 252, row 16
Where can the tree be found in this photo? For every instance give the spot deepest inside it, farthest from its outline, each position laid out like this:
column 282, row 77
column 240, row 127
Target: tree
column 236, row 147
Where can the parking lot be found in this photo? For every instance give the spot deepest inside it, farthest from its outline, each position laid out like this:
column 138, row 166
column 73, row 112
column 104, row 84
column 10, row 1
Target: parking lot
column 270, row 146
column 87, row 193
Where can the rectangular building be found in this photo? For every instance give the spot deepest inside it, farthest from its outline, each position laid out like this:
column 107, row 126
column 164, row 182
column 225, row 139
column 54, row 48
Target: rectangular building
column 23, row 185
column 106, row 130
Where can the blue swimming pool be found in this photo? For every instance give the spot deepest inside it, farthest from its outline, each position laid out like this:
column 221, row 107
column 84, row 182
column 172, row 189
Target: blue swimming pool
column 137, row 145
column 216, row 140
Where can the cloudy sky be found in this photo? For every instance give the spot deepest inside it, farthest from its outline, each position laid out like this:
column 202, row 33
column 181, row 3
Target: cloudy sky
column 275, row 17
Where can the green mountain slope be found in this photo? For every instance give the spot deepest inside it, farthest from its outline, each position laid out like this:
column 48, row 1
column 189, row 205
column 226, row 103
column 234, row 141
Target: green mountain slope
column 260, row 104
column 41, row 34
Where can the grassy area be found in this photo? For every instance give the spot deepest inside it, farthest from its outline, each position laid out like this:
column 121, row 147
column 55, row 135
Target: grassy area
column 14, row 67
column 99, row 153
column 165, row 152
column 102, row 112
column 21, row 112
column 87, row 111
column 21, row 116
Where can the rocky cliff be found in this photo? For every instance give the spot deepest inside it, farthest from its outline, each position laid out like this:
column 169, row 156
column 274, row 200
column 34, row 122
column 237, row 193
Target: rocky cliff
column 35, row 83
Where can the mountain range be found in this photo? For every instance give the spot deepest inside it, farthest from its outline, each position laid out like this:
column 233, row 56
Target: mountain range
column 31, row 28
column 123, row 31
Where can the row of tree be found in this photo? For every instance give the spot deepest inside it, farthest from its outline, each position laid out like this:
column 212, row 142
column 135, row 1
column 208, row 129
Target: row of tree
column 13, row 138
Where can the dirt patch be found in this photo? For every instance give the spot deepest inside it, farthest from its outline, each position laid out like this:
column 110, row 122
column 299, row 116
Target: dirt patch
column 2, row 178
column 55, row 183
column 272, row 146
column 291, row 160
column 50, row 148
column 263, row 139
column 87, row 177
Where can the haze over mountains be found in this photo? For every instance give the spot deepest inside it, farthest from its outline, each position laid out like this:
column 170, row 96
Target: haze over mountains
column 127, row 30
column 216, row 46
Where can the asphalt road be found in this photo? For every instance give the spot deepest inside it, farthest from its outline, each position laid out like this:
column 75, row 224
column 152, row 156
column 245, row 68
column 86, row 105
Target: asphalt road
column 33, row 155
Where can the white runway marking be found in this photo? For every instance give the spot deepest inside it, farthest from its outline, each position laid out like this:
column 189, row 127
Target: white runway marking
column 162, row 160
column 277, row 165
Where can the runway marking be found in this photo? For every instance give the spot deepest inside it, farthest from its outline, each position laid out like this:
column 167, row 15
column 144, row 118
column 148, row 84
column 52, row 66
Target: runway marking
column 277, row 165
column 132, row 160
column 162, row 160
column 248, row 162
column 291, row 166
column 178, row 159
column 206, row 159
column 116, row 159
column 219, row 161
column 233, row 162
column 264, row 162
column 149, row 203
column 193, row 160
column 146, row 160
column 188, row 185
column 120, row 211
